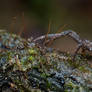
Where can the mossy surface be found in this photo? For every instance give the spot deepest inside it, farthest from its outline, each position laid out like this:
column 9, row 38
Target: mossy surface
column 31, row 68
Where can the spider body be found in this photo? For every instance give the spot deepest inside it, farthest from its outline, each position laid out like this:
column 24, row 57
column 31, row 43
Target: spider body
column 82, row 44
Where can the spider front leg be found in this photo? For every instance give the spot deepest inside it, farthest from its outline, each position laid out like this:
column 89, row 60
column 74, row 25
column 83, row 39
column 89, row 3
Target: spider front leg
column 52, row 37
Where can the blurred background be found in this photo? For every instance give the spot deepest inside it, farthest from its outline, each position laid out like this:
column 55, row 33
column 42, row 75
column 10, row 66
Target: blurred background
column 33, row 17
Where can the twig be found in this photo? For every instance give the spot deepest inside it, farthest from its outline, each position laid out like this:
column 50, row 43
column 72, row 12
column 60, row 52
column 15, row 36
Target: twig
column 23, row 27
column 46, row 38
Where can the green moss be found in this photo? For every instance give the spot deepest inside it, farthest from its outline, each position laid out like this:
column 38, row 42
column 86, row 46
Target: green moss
column 32, row 51
column 31, row 58
column 82, row 68
column 35, row 66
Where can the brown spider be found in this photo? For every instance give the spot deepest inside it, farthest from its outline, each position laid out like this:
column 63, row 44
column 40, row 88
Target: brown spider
column 83, row 44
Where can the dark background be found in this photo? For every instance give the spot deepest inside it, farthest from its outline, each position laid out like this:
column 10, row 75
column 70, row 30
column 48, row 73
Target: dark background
column 32, row 17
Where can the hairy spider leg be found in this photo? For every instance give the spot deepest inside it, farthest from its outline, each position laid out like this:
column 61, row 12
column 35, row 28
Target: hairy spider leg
column 76, row 51
column 51, row 37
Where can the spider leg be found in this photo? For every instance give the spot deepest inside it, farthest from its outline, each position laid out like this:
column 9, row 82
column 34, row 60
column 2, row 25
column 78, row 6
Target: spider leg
column 76, row 51
column 51, row 37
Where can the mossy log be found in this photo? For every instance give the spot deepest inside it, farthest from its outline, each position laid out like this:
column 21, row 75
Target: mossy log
column 31, row 68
